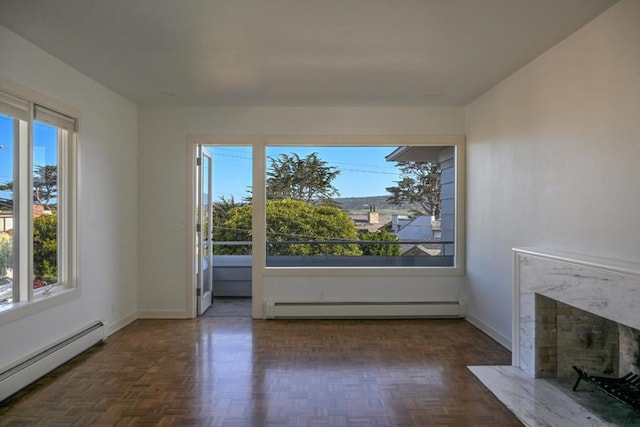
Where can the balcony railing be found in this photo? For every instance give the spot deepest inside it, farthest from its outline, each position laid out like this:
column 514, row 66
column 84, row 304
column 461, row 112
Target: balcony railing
column 415, row 253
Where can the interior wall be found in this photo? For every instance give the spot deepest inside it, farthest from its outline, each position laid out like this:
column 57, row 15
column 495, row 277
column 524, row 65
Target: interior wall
column 553, row 154
column 107, row 200
column 164, row 199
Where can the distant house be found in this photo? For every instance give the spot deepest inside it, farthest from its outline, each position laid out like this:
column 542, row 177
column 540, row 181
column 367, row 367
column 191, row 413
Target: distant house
column 6, row 221
column 420, row 229
column 365, row 223
column 417, row 228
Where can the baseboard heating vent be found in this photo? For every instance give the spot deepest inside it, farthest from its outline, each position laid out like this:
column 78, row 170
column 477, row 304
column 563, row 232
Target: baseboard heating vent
column 26, row 372
column 350, row 310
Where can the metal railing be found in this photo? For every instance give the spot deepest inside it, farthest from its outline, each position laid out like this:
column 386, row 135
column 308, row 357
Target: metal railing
column 428, row 247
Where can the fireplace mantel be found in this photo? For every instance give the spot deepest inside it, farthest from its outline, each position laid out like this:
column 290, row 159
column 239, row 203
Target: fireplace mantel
column 605, row 287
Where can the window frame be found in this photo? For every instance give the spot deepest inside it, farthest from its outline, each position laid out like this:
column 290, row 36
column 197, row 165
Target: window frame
column 260, row 165
column 391, row 149
column 28, row 301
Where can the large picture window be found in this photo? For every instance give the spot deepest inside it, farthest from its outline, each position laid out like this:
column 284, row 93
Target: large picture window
column 360, row 206
column 37, row 201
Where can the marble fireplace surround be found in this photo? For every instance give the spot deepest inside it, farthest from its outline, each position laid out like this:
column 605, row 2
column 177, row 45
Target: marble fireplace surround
column 605, row 287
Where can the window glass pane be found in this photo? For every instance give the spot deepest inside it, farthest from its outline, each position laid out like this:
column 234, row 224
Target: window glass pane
column 360, row 206
column 232, row 211
column 7, row 211
column 45, row 205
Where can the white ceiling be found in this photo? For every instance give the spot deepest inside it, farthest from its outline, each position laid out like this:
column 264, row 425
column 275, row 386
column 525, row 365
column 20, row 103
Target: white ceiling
column 298, row 52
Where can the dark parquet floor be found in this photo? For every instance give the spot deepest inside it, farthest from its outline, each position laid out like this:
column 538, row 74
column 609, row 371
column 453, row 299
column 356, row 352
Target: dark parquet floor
column 233, row 371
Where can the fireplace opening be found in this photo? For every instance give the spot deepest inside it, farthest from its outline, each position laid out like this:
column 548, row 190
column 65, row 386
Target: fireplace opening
column 600, row 348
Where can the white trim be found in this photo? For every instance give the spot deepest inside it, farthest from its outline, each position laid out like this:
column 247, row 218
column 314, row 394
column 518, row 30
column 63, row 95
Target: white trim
column 164, row 314
column 515, row 307
column 616, row 266
column 490, row 331
column 259, row 222
column 361, row 271
column 116, row 325
column 190, row 229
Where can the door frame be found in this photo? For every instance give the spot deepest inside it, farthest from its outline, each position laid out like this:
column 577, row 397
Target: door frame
column 204, row 290
column 258, row 181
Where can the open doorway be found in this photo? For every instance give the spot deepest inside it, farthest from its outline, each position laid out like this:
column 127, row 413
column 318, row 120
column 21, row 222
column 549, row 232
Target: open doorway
column 224, row 249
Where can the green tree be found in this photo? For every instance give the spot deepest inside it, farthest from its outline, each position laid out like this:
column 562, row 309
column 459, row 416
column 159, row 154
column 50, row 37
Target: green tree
column 380, row 249
column 219, row 212
column 293, row 221
column 307, row 179
column 221, row 207
column 419, row 185
column 45, row 185
column 45, row 247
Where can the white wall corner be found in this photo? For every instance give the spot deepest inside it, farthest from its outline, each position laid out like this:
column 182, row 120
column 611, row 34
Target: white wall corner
column 503, row 340
column 115, row 326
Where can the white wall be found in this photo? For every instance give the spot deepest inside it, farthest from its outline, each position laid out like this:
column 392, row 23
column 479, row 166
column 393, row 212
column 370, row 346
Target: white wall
column 163, row 258
column 554, row 160
column 107, row 200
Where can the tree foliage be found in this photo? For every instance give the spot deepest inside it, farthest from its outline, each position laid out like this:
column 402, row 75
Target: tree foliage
column 45, row 247
column 45, row 185
column 219, row 212
column 292, row 221
column 419, row 184
column 308, row 179
column 380, row 249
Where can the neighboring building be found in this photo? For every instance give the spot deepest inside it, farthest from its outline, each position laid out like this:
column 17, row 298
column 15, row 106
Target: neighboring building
column 445, row 156
column 421, row 228
column 370, row 221
column 6, row 221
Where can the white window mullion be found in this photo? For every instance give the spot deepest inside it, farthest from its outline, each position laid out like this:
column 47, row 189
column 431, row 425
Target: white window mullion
column 62, row 206
column 24, row 203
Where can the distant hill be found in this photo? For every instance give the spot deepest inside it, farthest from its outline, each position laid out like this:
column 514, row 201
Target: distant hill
column 363, row 204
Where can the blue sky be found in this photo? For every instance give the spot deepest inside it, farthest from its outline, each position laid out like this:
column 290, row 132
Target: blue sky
column 44, row 150
column 363, row 170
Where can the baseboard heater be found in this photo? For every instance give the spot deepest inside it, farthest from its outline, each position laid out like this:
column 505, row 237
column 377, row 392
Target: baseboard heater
column 16, row 377
column 347, row 310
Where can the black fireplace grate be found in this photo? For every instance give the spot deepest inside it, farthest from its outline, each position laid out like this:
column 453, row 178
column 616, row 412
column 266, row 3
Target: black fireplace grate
column 626, row 389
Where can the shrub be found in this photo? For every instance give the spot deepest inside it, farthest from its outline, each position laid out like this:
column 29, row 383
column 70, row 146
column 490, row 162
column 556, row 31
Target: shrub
column 381, row 249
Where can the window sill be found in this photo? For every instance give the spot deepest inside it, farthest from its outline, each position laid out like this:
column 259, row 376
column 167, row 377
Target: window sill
column 364, row 271
column 19, row 310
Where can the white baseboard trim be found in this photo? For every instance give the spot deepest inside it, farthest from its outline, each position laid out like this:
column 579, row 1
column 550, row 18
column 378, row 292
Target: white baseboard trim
column 163, row 314
column 500, row 338
column 115, row 326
